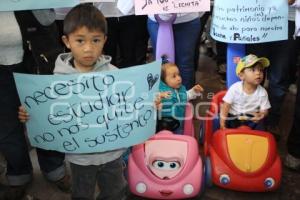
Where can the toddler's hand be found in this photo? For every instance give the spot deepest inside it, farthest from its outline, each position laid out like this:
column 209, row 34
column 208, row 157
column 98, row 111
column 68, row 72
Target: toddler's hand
column 198, row 89
column 157, row 102
column 257, row 116
column 222, row 124
column 222, row 127
column 23, row 115
column 165, row 95
column 291, row 2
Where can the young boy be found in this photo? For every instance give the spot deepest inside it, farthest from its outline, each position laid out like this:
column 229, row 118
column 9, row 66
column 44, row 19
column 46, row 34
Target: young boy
column 85, row 32
column 174, row 98
column 246, row 102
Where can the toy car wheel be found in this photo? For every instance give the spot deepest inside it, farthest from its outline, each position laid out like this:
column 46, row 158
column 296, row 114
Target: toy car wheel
column 201, row 132
column 207, row 172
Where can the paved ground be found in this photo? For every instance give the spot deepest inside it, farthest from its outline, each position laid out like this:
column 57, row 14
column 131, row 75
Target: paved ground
column 207, row 77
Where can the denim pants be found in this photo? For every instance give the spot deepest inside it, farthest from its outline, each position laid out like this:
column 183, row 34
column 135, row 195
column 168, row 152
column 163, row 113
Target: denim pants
column 13, row 144
column 235, row 123
column 186, row 39
column 109, row 178
column 280, row 53
column 293, row 141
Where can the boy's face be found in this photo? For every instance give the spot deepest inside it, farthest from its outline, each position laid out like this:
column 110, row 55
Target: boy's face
column 253, row 75
column 86, row 47
column 173, row 78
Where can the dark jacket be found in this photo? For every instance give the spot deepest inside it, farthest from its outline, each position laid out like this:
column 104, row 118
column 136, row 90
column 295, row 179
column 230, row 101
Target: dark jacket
column 41, row 43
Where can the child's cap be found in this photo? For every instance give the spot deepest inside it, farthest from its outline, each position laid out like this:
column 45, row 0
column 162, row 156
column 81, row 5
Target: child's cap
column 249, row 61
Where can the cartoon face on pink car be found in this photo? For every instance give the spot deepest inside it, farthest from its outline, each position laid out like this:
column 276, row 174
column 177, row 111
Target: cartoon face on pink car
column 167, row 166
column 165, row 161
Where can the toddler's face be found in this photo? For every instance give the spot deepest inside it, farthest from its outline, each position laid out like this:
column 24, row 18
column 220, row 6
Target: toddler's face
column 86, row 47
column 173, row 78
column 253, row 75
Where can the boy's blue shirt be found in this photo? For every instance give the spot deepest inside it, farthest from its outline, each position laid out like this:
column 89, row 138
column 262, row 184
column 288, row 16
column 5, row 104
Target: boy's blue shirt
column 176, row 96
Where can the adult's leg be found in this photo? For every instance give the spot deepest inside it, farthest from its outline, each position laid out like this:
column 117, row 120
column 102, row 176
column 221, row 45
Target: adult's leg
column 142, row 38
column 15, row 151
column 110, row 47
column 221, row 53
column 127, row 40
column 186, row 36
column 12, row 139
column 51, row 164
column 152, row 30
column 294, row 48
column 277, row 74
column 293, row 141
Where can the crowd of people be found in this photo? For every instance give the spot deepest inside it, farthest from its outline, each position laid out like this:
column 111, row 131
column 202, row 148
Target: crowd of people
column 31, row 43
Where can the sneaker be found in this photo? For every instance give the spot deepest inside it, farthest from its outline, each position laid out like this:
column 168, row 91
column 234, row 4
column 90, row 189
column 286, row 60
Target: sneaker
column 64, row 184
column 15, row 192
column 275, row 131
column 292, row 163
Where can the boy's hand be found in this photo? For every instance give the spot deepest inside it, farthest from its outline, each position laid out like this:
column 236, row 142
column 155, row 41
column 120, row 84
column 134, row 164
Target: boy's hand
column 222, row 122
column 198, row 89
column 257, row 116
column 23, row 115
column 291, row 2
column 222, row 126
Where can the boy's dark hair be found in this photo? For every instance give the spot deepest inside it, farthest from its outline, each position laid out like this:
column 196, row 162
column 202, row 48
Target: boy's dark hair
column 84, row 15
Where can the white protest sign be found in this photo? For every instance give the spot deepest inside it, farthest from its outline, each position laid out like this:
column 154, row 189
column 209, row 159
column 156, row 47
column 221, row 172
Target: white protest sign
column 91, row 1
column 145, row 7
column 249, row 21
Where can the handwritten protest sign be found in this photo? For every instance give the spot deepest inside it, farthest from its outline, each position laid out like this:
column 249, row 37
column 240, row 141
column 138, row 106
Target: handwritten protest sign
column 90, row 112
column 87, row 1
column 13, row 5
column 145, row 7
column 249, row 21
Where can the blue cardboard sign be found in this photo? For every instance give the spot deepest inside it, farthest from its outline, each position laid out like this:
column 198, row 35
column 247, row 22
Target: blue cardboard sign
column 249, row 21
column 13, row 5
column 90, row 112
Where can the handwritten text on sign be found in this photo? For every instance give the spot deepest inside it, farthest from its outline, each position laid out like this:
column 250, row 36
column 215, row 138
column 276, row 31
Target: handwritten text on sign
column 249, row 21
column 13, row 5
column 90, row 112
column 91, row 1
column 145, row 7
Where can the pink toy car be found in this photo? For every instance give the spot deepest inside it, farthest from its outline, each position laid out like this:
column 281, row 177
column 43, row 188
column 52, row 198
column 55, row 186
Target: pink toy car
column 167, row 166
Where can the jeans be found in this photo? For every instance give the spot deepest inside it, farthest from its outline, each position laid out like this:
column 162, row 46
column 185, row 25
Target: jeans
column 185, row 37
column 109, row 178
column 277, row 74
column 127, row 40
column 13, row 144
column 234, row 122
column 293, row 48
column 293, row 141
